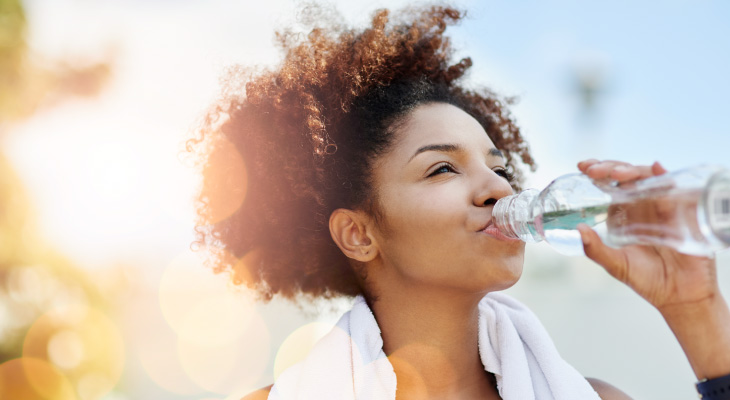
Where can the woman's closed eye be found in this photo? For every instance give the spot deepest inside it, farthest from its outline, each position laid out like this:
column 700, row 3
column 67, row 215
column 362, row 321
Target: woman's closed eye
column 446, row 168
column 505, row 174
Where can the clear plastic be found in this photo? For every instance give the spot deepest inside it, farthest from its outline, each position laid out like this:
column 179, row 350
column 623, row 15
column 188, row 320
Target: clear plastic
column 688, row 210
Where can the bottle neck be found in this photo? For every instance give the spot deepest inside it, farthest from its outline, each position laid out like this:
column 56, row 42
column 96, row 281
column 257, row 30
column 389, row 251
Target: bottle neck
column 513, row 217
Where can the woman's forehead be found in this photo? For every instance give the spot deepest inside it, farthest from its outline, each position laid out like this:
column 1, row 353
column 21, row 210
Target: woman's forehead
column 438, row 124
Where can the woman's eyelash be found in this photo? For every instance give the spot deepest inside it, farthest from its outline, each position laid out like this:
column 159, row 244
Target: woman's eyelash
column 505, row 174
column 442, row 168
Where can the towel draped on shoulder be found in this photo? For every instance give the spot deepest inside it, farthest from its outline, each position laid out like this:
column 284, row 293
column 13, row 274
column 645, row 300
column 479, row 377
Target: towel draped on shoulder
column 349, row 362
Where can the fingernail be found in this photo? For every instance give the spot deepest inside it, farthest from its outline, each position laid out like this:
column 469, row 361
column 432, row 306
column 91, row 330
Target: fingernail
column 583, row 229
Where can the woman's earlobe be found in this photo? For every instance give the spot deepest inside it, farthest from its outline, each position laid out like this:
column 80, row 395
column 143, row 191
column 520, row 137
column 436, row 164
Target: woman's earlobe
column 350, row 232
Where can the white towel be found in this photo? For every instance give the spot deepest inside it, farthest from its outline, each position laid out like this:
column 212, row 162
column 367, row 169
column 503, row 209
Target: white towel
column 349, row 362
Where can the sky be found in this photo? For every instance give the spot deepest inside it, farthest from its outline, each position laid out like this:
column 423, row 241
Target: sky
column 114, row 162
column 664, row 67
column 110, row 183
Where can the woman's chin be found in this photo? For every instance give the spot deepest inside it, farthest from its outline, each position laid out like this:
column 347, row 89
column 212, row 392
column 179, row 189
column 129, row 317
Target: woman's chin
column 509, row 272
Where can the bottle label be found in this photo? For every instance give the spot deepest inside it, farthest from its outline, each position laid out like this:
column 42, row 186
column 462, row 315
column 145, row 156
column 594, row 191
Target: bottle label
column 719, row 207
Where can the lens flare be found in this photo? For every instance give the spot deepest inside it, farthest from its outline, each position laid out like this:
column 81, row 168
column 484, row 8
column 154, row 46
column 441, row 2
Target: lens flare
column 33, row 379
column 242, row 267
column 228, row 363
column 184, row 283
column 224, row 181
column 241, row 394
column 93, row 386
column 82, row 341
column 66, row 349
column 405, row 367
column 408, row 376
column 216, row 339
column 157, row 353
column 298, row 344
column 71, row 306
column 32, row 284
column 200, row 305
column 221, row 319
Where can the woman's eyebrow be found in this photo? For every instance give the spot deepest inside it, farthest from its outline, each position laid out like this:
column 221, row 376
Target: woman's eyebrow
column 446, row 147
column 495, row 152
column 452, row 148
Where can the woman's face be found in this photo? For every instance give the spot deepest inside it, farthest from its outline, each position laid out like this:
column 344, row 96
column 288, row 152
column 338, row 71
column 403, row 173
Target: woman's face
column 437, row 186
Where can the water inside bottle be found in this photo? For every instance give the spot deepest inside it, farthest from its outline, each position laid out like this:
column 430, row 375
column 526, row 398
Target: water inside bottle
column 559, row 226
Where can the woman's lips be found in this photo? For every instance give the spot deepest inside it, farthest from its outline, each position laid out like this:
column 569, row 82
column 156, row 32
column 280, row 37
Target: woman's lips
column 494, row 232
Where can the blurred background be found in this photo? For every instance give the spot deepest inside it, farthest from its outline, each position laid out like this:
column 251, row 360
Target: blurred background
column 100, row 296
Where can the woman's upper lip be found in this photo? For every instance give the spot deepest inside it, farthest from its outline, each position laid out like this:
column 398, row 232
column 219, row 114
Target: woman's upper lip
column 486, row 225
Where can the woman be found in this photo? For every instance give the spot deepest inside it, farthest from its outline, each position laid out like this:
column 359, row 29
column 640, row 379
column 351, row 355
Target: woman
column 369, row 171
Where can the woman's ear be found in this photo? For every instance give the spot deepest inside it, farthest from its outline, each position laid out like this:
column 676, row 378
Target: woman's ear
column 350, row 231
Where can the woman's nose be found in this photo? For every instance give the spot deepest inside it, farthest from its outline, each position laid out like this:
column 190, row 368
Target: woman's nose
column 491, row 187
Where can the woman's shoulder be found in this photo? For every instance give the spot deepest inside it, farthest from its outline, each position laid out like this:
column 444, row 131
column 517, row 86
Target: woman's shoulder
column 261, row 394
column 605, row 390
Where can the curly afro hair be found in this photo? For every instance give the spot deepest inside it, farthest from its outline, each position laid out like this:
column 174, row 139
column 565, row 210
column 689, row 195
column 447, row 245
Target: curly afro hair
column 285, row 147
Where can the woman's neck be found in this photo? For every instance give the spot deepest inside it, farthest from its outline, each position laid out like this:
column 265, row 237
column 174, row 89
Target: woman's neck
column 431, row 338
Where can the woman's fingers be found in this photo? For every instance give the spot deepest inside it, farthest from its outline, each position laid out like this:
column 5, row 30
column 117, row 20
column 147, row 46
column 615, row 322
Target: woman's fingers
column 598, row 169
column 604, row 169
column 658, row 169
column 585, row 164
column 618, row 170
column 615, row 170
column 613, row 260
column 626, row 173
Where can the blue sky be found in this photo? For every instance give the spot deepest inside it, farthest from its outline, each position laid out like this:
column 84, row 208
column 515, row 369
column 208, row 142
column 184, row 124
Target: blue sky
column 666, row 84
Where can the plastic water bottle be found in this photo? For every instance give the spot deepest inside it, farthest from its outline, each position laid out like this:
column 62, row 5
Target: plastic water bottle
column 688, row 210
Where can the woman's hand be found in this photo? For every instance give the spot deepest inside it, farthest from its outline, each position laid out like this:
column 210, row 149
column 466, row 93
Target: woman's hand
column 661, row 275
column 682, row 287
